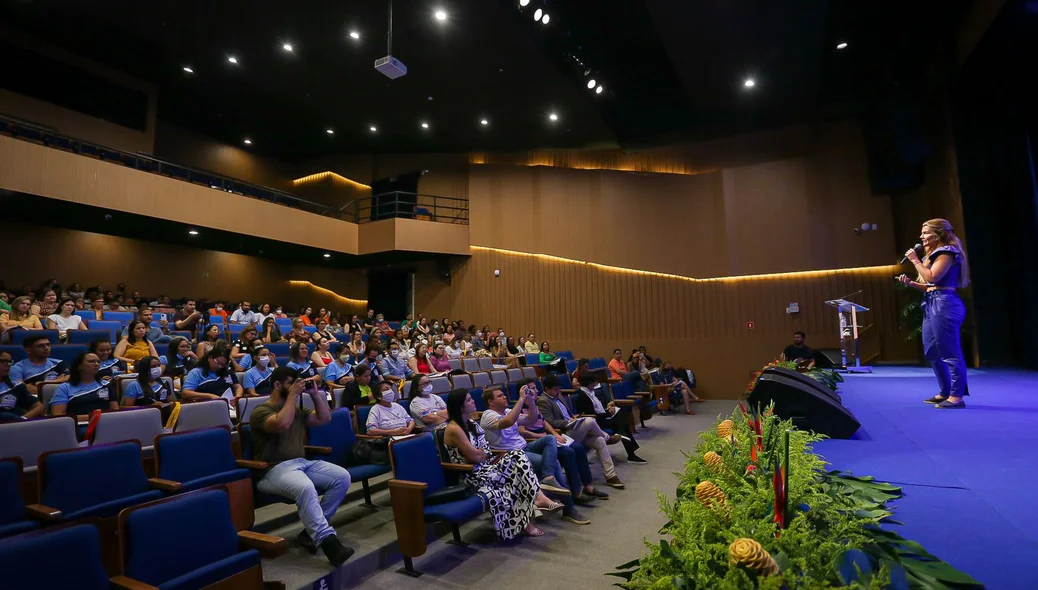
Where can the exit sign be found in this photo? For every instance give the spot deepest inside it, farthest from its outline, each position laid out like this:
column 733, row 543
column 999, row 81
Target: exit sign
column 749, row 325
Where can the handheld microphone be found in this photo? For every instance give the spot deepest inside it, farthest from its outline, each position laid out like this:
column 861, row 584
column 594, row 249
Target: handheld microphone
column 917, row 248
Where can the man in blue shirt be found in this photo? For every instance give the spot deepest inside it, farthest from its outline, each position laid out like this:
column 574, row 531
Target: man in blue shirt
column 244, row 315
column 371, row 360
column 394, row 369
column 38, row 367
column 159, row 335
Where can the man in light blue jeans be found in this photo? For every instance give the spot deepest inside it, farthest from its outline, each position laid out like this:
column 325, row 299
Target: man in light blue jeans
column 278, row 434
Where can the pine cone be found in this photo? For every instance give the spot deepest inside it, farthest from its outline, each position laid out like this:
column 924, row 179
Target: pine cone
column 749, row 554
column 713, row 461
column 724, row 429
column 709, row 494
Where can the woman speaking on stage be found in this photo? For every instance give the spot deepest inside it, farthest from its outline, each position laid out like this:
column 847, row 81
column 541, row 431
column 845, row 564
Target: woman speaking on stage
column 942, row 270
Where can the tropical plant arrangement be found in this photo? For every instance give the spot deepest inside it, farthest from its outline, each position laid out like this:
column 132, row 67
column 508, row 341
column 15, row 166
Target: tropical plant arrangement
column 756, row 508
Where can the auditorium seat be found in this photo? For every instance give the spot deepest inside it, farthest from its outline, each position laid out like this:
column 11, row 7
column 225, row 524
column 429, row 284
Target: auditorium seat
column 218, row 320
column 532, row 358
column 339, row 438
column 207, row 414
column 28, row 560
column 185, row 334
column 515, row 375
column 470, row 365
column 485, row 364
column 17, row 351
column 440, row 384
column 87, row 336
column 498, row 377
column 19, row 336
column 123, row 317
column 14, row 518
column 283, row 324
column 139, row 424
column 243, row 406
column 67, row 352
column 565, row 354
column 476, row 394
column 529, row 372
column 236, row 330
column 480, row 379
column 203, row 458
column 419, row 494
column 210, row 552
column 461, row 381
column 29, row 439
column 113, row 328
column 455, row 364
column 279, row 349
column 362, row 418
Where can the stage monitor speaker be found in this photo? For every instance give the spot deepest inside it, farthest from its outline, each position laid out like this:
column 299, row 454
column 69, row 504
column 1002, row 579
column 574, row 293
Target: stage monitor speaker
column 804, row 404
column 805, row 381
column 828, row 358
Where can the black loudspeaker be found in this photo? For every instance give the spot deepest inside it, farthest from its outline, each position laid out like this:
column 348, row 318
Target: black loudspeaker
column 828, row 358
column 809, row 404
column 443, row 269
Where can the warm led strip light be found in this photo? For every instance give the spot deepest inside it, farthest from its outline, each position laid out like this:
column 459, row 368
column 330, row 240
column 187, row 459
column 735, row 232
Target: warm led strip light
column 328, row 174
column 890, row 268
column 549, row 161
column 345, row 300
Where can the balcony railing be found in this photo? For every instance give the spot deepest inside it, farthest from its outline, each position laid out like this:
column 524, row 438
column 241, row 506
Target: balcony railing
column 405, row 205
column 47, row 136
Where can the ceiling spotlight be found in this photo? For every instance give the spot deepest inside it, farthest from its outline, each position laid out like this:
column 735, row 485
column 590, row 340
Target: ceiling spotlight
column 373, row 129
column 749, row 83
column 326, row 255
column 440, row 15
column 425, row 125
column 599, row 89
column 354, row 35
column 330, row 131
column 188, row 70
column 193, row 232
column 484, row 122
column 841, row 45
column 591, row 84
column 232, row 59
column 287, row 47
column 553, row 117
column 537, row 14
column 524, row 2
column 247, row 141
column 546, row 18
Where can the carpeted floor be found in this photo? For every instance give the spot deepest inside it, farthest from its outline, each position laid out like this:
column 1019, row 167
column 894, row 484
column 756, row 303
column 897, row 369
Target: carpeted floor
column 568, row 556
column 968, row 475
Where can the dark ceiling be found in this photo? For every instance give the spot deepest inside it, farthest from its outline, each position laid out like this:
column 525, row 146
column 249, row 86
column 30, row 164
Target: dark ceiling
column 671, row 69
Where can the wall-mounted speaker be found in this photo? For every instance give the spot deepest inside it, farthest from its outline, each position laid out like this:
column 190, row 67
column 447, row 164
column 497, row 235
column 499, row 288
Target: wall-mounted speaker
column 443, row 269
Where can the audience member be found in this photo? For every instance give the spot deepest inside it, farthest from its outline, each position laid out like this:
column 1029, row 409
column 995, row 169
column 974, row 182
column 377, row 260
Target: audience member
column 74, row 291
column 477, row 342
column 208, row 340
column 322, row 314
column 617, row 367
column 382, row 324
column 19, row 316
column 279, row 313
column 97, row 305
column 218, row 311
column 37, row 367
column 271, row 333
column 115, row 304
column 394, row 368
column 339, row 372
column 212, row 378
column 408, row 323
column 135, row 345
column 369, row 321
column 458, row 347
column 304, row 315
column 419, row 361
column 47, row 306
column 799, row 352
column 65, row 319
column 187, row 318
column 582, row 367
column 387, row 418
column 257, row 380
column 668, row 377
column 85, row 390
column 16, row 401
column 263, row 314
column 607, row 415
column 149, row 388
column 156, row 334
column 242, row 347
column 583, row 430
column 179, row 358
column 299, row 359
column 358, row 391
column 278, row 435
column 439, row 360
column 298, row 334
column 5, row 301
column 422, row 326
column 322, row 356
column 110, row 366
column 357, row 344
column 546, row 357
column 321, row 332
column 244, row 315
column 508, row 482
column 531, row 344
column 356, row 325
column 428, row 409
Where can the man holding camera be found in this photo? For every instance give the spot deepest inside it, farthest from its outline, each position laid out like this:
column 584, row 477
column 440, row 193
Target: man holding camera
column 278, row 435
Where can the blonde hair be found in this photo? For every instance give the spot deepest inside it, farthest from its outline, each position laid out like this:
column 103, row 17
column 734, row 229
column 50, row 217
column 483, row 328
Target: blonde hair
column 946, row 237
column 15, row 314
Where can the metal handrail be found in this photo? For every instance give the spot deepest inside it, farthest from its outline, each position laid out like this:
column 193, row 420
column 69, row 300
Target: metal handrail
column 410, row 205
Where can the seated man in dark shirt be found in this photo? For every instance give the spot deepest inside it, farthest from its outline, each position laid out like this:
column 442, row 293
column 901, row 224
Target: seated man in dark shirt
column 278, row 435
column 799, row 352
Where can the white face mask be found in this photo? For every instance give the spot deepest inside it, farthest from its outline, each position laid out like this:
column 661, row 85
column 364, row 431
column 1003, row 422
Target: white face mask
column 394, row 353
column 389, row 396
column 427, row 389
column 263, row 361
column 156, row 372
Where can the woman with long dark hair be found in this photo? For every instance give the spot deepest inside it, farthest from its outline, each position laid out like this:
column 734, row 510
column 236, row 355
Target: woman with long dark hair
column 110, row 366
column 943, row 269
column 135, row 345
column 212, row 378
column 270, row 332
column 148, row 389
column 85, row 390
column 208, row 340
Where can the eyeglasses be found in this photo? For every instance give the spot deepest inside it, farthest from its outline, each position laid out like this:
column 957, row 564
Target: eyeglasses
column 6, row 361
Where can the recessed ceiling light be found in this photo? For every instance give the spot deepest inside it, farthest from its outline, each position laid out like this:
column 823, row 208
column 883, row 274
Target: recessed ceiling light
column 232, row 59
column 749, row 83
column 599, row 89
column 247, row 141
column 193, row 232
column 591, row 84
column 425, row 125
column 354, row 35
column 373, row 129
column 553, row 117
column 842, row 45
column 188, row 70
column 287, row 47
column 484, row 122
column 523, row 2
column 440, row 15
column 330, row 131
column 546, row 18
column 537, row 14
column 327, row 255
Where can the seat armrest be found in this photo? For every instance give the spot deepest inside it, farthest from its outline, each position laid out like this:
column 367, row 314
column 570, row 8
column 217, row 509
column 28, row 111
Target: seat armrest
column 165, row 485
column 624, row 403
column 269, row 546
column 457, row 467
column 312, row 450
column 274, row 585
column 125, row 583
column 43, row 513
column 369, row 437
column 587, row 415
column 248, row 464
column 613, row 380
column 568, row 391
column 405, row 484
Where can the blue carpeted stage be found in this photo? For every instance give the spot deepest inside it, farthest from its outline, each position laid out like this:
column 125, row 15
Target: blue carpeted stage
column 969, row 476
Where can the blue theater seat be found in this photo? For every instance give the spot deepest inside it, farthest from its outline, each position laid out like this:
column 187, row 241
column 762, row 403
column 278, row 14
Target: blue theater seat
column 88, row 315
column 17, row 351
column 532, row 359
column 14, row 518
column 19, row 336
column 338, row 436
column 420, row 495
column 87, row 336
column 67, row 352
column 362, row 418
column 279, row 349
column 236, row 330
column 28, row 560
column 476, row 394
column 113, row 328
column 123, row 317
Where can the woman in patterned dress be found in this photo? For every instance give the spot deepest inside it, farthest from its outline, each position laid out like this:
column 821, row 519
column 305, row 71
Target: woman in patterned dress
column 507, row 480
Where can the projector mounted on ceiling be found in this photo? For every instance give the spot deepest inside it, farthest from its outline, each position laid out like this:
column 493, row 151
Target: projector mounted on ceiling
column 390, row 66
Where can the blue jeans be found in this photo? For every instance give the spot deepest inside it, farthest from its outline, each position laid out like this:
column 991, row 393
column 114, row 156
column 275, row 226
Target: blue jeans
column 943, row 314
column 301, row 480
column 544, row 457
column 578, row 471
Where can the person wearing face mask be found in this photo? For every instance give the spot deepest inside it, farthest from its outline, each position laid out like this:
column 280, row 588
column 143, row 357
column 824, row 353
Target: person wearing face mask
column 427, row 409
column 388, row 418
column 436, row 328
column 148, row 389
column 339, row 372
column 382, row 324
column 212, row 379
column 458, row 348
column 394, row 368
column 477, row 342
column 371, row 359
column 257, row 379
